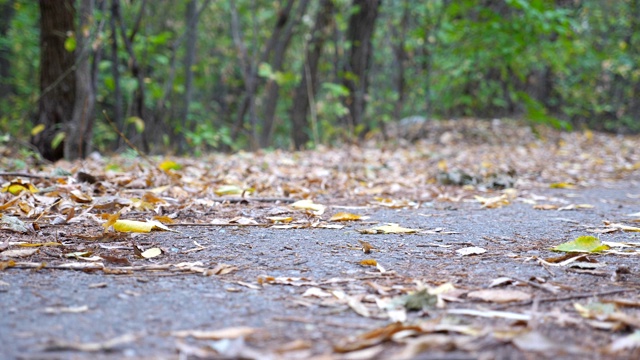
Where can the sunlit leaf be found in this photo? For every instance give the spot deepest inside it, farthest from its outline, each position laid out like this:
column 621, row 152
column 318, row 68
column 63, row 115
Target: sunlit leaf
column 389, row 229
column 499, row 295
column 317, row 209
column 228, row 190
column 280, row 219
column 138, row 226
column 37, row 129
column 151, row 253
column 368, row 262
column 344, row 216
column 471, row 250
column 169, row 165
column 17, row 186
column 562, row 185
column 590, row 244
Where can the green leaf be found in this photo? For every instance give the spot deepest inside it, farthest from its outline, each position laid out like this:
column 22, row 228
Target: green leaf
column 587, row 244
column 58, row 139
column 70, row 43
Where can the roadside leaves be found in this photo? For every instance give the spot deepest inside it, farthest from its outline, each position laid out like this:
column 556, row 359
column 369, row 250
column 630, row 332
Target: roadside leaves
column 589, row 244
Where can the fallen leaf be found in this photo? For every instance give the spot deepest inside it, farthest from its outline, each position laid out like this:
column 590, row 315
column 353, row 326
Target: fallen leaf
column 226, row 333
column 344, row 216
column 60, row 345
column 562, row 185
column 316, row 209
column 151, row 253
column 590, row 244
column 138, row 226
column 17, row 253
column 545, row 207
column 499, row 295
column 389, row 229
column 368, row 262
column 472, row 250
column 13, row 224
column 71, row 309
column 628, row 343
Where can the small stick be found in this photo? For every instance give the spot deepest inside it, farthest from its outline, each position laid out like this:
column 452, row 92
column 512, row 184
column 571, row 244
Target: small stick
column 564, row 298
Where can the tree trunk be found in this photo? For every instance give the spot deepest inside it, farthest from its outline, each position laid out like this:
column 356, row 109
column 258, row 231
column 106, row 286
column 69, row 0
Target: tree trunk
column 305, row 92
column 6, row 14
column 79, row 129
column 57, row 77
column 359, row 34
column 189, row 59
column 272, row 88
column 118, row 103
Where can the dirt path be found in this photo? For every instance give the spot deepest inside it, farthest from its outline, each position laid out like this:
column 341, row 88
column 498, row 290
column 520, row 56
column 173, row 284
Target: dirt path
column 302, row 293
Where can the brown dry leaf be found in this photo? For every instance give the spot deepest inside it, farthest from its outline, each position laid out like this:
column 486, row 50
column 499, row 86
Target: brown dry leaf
column 366, row 247
column 163, row 219
column 493, row 202
column 80, row 197
column 374, row 337
column 221, row 269
column 368, row 262
column 344, row 216
column 499, row 295
column 226, row 333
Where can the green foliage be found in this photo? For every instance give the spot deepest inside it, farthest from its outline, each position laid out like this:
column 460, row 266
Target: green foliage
column 559, row 65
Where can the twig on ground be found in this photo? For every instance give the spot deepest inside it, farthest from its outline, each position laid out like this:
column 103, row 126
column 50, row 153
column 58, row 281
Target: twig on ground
column 565, row 298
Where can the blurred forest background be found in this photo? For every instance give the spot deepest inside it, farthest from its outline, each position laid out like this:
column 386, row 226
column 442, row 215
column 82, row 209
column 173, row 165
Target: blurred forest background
column 198, row 75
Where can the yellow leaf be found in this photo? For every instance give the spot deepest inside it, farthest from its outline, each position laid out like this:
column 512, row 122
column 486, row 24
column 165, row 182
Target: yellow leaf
column 344, row 216
column 562, row 185
column 442, row 165
column 369, row 262
column 137, row 226
column 111, row 219
column 169, row 165
column 493, row 202
column 37, row 129
column 280, row 219
column 18, row 186
column 151, row 253
column 317, row 209
column 50, row 243
column 163, row 219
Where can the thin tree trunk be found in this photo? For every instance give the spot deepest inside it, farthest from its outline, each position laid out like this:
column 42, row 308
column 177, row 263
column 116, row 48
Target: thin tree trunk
column 359, row 34
column 57, row 76
column 136, row 70
column 79, row 129
column 189, row 59
column 272, row 87
column 118, row 103
column 305, row 91
column 6, row 14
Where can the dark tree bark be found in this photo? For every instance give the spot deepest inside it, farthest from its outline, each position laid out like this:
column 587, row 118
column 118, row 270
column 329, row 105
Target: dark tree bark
column 355, row 77
column 6, row 13
column 79, row 129
column 57, row 76
column 272, row 87
column 305, row 92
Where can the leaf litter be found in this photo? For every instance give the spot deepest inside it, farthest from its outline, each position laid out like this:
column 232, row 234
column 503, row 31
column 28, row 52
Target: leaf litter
column 100, row 215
